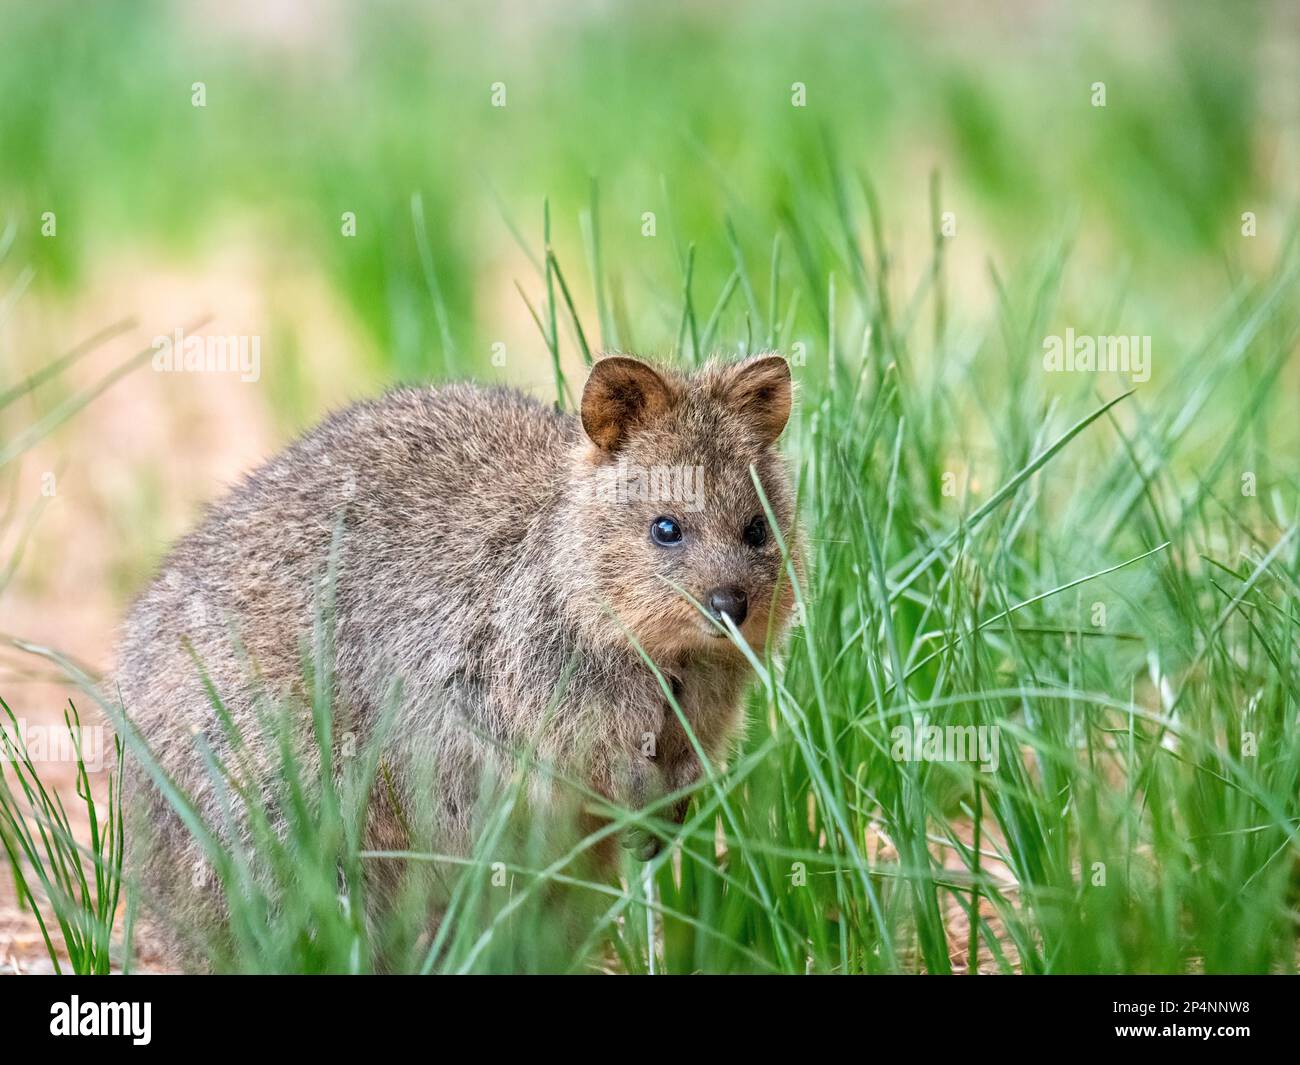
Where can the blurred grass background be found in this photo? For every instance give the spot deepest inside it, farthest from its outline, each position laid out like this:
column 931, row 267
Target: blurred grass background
column 680, row 109
column 167, row 211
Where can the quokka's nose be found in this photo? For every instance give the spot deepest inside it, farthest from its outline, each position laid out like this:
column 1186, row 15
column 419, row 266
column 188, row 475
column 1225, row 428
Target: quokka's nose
column 729, row 601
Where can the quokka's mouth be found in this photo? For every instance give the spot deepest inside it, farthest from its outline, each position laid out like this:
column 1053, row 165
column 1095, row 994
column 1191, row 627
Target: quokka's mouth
column 717, row 630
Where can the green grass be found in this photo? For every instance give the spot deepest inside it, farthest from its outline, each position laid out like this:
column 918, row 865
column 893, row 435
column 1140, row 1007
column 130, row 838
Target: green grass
column 1142, row 815
column 1104, row 570
column 63, row 884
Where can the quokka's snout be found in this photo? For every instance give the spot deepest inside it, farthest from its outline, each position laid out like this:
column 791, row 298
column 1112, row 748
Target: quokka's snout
column 511, row 570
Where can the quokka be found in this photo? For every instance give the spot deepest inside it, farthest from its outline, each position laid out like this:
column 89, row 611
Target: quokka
column 489, row 577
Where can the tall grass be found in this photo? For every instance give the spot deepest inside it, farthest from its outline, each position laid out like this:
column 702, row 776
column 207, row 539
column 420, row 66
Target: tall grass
column 61, row 882
column 1105, row 576
column 1100, row 577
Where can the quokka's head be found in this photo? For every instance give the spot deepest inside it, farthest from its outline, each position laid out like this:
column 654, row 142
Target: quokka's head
column 666, row 503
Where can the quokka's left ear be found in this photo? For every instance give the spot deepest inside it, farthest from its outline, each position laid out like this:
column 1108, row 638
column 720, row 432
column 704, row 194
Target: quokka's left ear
column 761, row 391
column 621, row 395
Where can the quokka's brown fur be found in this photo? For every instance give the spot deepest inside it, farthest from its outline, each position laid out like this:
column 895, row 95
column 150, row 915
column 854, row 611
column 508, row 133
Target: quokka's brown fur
column 482, row 555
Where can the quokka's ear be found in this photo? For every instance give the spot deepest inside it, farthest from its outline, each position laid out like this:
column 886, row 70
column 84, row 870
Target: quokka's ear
column 620, row 395
column 761, row 391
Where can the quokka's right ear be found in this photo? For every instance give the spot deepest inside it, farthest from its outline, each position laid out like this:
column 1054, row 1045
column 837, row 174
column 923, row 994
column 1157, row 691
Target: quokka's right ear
column 620, row 395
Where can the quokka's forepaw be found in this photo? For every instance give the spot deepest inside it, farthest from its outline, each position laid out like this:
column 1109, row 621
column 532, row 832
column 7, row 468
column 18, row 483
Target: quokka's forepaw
column 641, row 843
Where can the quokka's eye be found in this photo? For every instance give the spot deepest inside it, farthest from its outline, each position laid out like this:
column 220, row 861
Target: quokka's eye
column 665, row 532
column 756, row 531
